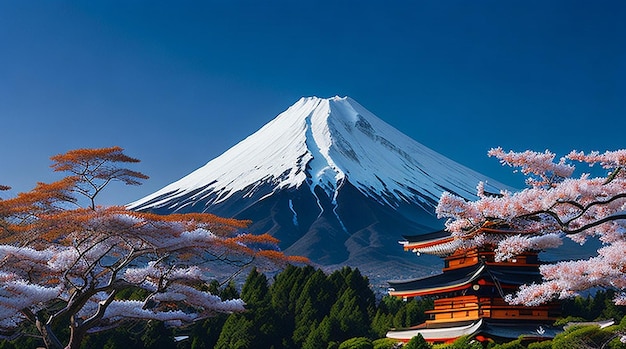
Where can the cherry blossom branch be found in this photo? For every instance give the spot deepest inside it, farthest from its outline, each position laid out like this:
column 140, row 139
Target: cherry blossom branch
column 583, row 210
column 554, row 206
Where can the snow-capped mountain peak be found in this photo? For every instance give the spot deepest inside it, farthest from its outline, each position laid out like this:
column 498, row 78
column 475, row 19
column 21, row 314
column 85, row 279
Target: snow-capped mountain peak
column 322, row 143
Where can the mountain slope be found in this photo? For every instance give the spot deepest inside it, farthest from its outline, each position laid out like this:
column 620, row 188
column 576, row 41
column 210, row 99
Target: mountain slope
column 322, row 143
column 330, row 179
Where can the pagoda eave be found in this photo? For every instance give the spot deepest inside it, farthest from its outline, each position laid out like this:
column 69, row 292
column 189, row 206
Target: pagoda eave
column 426, row 292
column 438, row 283
column 481, row 329
column 438, row 248
column 443, row 334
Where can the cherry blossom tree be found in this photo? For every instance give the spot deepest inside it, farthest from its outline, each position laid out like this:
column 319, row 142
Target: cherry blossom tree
column 556, row 204
column 65, row 265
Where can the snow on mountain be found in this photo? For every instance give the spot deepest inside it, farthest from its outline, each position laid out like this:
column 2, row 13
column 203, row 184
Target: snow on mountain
column 333, row 183
column 322, row 143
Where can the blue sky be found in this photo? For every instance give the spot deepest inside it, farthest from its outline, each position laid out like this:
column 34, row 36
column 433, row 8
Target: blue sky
column 178, row 83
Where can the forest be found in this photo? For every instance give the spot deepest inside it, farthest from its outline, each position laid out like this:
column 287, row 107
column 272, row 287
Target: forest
column 303, row 307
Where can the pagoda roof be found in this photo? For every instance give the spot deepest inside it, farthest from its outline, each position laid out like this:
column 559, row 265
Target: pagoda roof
column 439, row 243
column 436, row 235
column 492, row 329
column 462, row 278
column 514, row 329
column 440, row 334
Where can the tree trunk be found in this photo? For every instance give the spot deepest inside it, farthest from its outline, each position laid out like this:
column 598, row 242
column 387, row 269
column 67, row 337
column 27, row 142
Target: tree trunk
column 49, row 339
column 77, row 333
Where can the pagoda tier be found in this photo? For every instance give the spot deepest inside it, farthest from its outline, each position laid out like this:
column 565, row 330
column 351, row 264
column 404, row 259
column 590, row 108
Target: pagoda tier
column 475, row 278
column 439, row 243
column 503, row 330
column 469, row 294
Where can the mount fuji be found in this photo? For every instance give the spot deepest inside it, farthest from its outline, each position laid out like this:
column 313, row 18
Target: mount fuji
column 333, row 182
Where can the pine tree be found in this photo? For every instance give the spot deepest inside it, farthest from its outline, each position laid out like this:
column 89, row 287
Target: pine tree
column 284, row 293
column 353, row 321
column 237, row 333
column 381, row 323
column 229, row 292
column 314, row 302
column 255, row 293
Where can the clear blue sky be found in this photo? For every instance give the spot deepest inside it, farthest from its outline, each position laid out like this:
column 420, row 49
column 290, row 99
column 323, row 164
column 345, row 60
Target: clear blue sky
column 176, row 83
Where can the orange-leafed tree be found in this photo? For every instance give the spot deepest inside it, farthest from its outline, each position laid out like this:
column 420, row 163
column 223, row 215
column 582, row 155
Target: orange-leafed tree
column 64, row 265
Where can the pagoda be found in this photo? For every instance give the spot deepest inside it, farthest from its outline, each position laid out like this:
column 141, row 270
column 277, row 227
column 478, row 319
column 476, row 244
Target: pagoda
column 469, row 294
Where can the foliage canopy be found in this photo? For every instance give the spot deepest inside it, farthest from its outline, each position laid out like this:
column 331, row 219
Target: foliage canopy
column 66, row 266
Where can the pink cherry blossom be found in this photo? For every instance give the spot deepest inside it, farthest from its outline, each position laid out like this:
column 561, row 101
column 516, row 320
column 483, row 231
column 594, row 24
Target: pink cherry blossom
column 556, row 205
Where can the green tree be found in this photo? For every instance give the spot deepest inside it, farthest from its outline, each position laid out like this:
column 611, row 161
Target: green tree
column 599, row 306
column 315, row 338
column 255, row 293
column 237, row 333
column 463, row 342
column 157, row 336
column 357, row 343
column 255, row 288
column 229, row 292
column 515, row 344
column 540, row 345
column 416, row 310
column 118, row 338
column 287, row 287
column 417, row 342
column 582, row 337
column 381, row 323
column 352, row 320
column 285, row 292
column 318, row 310
column 355, row 304
column 305, row 318
column 413, row 312
column 321, row 335
column 205, row 334
column 390, row 304
column 610, row 310
column 312, row 305
column 385, row 343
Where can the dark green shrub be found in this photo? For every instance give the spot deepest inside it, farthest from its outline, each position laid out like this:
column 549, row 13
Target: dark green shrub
column 541, row 345
column 357, row 343
column 516, row 344
column 464, row 342
column 384, row 343
column 417, row 342
column 582, row 337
